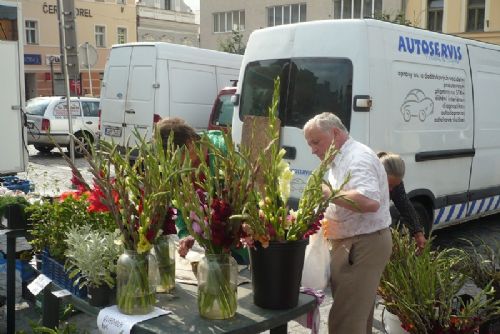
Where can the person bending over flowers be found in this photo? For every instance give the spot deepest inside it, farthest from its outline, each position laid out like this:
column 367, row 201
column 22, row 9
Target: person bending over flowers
column 357, row 223
column 185, row 136
column 395, row 168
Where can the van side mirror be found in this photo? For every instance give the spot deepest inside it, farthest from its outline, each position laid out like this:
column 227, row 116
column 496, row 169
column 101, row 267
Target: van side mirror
column 235, row 100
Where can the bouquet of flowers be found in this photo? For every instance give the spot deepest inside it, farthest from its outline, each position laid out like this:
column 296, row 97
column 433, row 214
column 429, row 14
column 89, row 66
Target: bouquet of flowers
column 138, row 193
column 271, row 219
column 211, row 200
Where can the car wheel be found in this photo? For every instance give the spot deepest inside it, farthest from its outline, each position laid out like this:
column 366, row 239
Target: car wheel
column 82, row 144
column 424, row 217
column 44, row 148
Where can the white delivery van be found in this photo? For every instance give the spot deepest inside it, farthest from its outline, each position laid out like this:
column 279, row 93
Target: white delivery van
column 14, row 153
column 431, row 97
column 144, row 82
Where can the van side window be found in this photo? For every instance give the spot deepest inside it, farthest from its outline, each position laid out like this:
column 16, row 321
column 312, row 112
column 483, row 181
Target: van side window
column 90, row 109
column 308, row 86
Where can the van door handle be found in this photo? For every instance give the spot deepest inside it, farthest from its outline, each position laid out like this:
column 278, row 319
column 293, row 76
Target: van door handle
column 130, row 111
column 291, row 152
column 88, row 122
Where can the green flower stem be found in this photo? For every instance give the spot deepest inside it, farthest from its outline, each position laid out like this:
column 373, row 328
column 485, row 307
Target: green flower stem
column 134, row 292
column 217, row 295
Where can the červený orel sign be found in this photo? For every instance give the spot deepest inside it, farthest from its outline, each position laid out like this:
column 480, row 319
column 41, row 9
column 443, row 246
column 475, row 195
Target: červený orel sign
column 52, row 9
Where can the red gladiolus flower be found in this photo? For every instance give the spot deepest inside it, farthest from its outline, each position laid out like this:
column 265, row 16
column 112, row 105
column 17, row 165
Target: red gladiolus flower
column 80, row 186
column 67, row 194
column 169, row 222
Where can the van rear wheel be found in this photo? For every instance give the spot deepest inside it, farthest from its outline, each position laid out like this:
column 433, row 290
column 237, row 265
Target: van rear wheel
column 44, row 148
column 424, row 217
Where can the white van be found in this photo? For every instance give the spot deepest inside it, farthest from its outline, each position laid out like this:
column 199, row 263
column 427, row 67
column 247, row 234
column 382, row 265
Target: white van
column 144, row 82
column 431, row 97
column 12, row 146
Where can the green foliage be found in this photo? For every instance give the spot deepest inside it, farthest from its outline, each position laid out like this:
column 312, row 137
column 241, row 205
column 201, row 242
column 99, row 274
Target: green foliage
column 233, row 44
column 92, row 254
column 422, row 290
column 7, row 200
column 482, row 265
column 400, row 18
column 137, row 192
column 51, row 219
column 271, row 219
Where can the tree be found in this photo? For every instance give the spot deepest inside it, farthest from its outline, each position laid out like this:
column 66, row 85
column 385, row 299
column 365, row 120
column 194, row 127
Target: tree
column 233, row 44
column 399, row 18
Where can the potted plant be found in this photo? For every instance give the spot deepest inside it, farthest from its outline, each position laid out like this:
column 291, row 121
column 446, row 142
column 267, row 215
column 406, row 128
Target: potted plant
column 280, row 233
column 12, row 208
column 51, row 219
column 421, row 290
column 91, row 257
column 483, row 268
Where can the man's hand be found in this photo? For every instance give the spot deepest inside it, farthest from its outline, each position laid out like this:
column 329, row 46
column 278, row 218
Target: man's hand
column 420, row 240
column 185, row 245
column 327, row 227
column 326, row 191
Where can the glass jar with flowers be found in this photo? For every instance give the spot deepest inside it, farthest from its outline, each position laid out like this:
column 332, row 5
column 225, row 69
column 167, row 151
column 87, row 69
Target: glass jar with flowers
column 162, row 261
column 277, row 235
column 135, row 186
column 211, row 200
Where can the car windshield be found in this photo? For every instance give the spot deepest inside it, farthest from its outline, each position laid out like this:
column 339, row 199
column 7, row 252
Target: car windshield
column 308, row 86
column 37, row 107
column 224, row 111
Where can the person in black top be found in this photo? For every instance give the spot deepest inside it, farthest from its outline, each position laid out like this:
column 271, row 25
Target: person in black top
column 406, row 214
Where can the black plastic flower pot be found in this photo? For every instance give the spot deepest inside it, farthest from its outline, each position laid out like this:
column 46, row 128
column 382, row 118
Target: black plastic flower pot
column 276, row 273
column 99, row 296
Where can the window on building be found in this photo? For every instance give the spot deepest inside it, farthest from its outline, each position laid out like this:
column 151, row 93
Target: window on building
column 286, row 14
column 121, row 35
column 100, row 36
column 355, row 9
column 166, row 4
column 435, row 15
column 475, row 15
column 31, row 32
column 229, row 21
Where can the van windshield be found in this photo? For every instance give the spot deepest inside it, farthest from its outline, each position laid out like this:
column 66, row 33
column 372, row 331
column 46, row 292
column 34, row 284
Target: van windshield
column 308, row 86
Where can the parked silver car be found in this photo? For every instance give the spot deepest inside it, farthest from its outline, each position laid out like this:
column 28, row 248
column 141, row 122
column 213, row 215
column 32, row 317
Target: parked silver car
column 47, row 121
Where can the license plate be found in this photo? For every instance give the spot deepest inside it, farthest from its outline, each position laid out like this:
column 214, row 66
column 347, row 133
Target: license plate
column 113, row 131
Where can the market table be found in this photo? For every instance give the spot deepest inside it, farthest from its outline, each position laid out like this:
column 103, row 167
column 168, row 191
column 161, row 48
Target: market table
column 186, row 319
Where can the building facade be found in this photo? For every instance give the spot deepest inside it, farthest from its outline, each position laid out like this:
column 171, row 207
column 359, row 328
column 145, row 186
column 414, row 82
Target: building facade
column 100, row 23
column 476, row 19
column 166, row 21
column 218, row 18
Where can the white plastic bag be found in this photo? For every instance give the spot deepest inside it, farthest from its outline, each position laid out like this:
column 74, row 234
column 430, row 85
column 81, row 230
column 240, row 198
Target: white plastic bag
column 316, row 272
